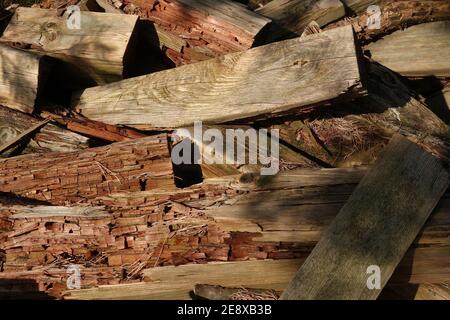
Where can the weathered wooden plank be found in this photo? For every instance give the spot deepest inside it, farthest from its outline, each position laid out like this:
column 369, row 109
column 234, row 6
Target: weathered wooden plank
column 420, row 50
column 9, row 144
column 308, row 71
column 22, row 77
column 294, row 15
column 49, row 138
column 178, row 282
column 393, row 16
column 100, row 48
column 375, row 227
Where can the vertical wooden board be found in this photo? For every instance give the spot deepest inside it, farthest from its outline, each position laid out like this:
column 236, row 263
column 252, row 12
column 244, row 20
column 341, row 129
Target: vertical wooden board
column 260, row 82
column 421, row 50
column 99, row 47
column 375, row 227
column 22, row 74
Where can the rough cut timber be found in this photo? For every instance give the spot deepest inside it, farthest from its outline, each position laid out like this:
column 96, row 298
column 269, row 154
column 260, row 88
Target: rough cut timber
column 418, row 51
column 353, row 133
column 100, row 49
column 178, row 282
column 49, row 138
column 376, row 226
column 208, row 28
column 292, row 16
column 204, row 223
column 140, row 164
column 395, row 15
column 308, row 72
column 22, row 78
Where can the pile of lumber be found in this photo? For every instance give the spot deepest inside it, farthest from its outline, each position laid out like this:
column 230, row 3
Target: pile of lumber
column 89, row 119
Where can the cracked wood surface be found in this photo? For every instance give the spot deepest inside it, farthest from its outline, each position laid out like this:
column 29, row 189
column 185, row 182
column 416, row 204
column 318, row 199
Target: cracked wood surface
column 418, row 51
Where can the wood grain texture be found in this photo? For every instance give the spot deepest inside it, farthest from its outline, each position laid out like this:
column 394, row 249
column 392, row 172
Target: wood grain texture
column 65, row 177
column 36, row 212
column 9, row 144
column 208, row 28
column 99, row 48
column 420, row 50
column 375, row 227
column 353, row 133
column 294, row 15
column 22, row 76
column 178, row 282
column 359, row 6
column 49, row 138
column 308, row 72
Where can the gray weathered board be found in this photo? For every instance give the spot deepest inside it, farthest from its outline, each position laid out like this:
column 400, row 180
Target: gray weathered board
column 375, row 227
column 294, row 15
column 421, row 50
column 22, row 77
column 275, row 78
column 100, row 47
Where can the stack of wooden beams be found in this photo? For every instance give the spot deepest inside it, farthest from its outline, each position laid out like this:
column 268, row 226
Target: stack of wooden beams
column 87, row 178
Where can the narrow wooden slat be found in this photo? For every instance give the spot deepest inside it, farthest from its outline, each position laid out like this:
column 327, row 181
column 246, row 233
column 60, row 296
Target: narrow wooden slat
column 375, row 227
column 10, row 144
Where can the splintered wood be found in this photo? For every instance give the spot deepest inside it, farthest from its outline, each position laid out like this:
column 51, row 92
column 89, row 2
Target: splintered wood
column 293, row 74
column 196, row 30
column 59, row 177
column 374, row 228
column 126, row 233
column 100, row 47
column 49, row 138
column 88, row 183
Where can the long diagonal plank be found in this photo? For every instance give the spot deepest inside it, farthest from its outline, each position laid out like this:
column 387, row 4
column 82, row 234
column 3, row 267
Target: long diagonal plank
column 374, row 228
column 275, row 78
